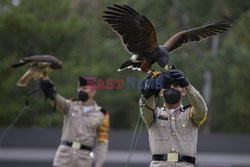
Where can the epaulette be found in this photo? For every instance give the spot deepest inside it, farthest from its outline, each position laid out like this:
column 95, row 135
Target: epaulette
column 105, row 112
column 186, row 107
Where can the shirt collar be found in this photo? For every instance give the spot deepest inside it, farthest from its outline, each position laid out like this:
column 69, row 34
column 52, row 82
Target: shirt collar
column 95, row 107
column 174, row 110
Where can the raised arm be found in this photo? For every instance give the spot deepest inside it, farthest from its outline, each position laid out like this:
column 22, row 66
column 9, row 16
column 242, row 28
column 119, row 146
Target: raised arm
column 147, row 107
column 150, row 90
column 62, row 104
column 198, row 111
column 49, row 91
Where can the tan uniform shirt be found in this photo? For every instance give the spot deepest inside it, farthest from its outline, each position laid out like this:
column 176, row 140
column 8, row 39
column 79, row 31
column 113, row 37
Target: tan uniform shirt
column 82, row 127
column 174, row 131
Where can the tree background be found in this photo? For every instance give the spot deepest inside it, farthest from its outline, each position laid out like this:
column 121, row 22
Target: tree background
column 74, row 31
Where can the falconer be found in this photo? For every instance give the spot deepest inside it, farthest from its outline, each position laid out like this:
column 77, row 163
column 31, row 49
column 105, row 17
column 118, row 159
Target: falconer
column 84, row 140
column 173, row 129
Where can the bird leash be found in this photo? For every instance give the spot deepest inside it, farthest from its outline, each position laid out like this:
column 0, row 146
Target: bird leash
column 24, row 108
column 135, row 139
column 51, row 112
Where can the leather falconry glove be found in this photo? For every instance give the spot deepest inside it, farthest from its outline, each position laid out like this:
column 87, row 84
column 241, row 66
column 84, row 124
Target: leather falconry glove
column 179, row 77
column 152, row 86
column 146, row 90
column 164, row 80
column 48, row 88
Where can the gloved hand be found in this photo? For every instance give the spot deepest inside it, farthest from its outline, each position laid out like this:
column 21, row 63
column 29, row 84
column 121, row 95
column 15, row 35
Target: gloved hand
column 179, row 77
column 152, row 86
column 48, row 88
column 146, row 90
column 165, row 80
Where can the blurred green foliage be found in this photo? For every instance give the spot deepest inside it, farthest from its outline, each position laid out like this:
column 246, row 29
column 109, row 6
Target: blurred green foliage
column 74, row 31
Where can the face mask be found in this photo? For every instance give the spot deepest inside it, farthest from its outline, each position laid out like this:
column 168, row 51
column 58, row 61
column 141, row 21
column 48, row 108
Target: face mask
column 83, row 96
column 171, row 96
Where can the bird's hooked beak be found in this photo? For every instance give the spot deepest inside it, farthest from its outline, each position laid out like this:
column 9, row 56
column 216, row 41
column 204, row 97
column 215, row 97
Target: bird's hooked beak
column 166, row 67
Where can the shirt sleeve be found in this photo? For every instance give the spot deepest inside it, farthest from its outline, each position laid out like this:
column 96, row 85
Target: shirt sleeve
column 147, row 110
column 61, row 103
column 101, row 148
column 198, row 111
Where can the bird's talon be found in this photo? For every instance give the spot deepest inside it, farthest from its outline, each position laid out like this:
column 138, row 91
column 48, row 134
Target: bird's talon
column 155, row 74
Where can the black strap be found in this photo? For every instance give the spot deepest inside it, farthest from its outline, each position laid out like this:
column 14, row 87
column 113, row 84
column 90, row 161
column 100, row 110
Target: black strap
column 181, row 158
column 187, row 106
column 82, row 147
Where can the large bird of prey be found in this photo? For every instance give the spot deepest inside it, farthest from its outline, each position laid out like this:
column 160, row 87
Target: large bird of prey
column 39, row 66
column 139, row 37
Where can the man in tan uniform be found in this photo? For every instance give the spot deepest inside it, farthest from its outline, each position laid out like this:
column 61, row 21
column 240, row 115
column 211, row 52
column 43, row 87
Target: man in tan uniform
column 173, row 129
column 85, row 125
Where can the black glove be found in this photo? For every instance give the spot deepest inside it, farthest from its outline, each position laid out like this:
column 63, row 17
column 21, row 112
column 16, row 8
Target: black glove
column 152, row 86
column 146, row 90
column 48, row 89
column 165, row 80
column 179, row 77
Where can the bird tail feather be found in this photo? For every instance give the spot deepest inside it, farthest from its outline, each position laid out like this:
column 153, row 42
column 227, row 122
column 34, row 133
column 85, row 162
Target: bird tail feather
column 18, row 64
column 125, row 65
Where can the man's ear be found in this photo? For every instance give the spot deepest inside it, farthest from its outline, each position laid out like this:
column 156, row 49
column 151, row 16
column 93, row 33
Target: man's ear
column 183, row 92
column 161, row 92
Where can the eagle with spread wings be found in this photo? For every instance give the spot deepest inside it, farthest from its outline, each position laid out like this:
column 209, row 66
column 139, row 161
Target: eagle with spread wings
column 39, row 66
column 139, row 37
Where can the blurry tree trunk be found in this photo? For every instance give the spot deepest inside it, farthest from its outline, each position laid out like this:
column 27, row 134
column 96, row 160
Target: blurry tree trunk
column 207, row 87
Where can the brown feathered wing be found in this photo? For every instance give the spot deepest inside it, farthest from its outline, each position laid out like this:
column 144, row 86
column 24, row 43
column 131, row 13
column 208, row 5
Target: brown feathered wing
column 136, row 31
column 196, row 34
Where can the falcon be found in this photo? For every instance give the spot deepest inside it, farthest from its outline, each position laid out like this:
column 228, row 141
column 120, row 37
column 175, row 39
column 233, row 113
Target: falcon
column 39, row 66
column 139, row 37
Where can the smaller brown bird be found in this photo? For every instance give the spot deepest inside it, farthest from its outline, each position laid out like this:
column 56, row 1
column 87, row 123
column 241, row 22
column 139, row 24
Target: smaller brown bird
column 39, row 66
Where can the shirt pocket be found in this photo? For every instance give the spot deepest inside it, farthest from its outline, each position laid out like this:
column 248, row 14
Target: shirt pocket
column 159, row 135
column 163, row 128
column 74, row 117
column 184, row 129
column 93, row 121
column 74, row 112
